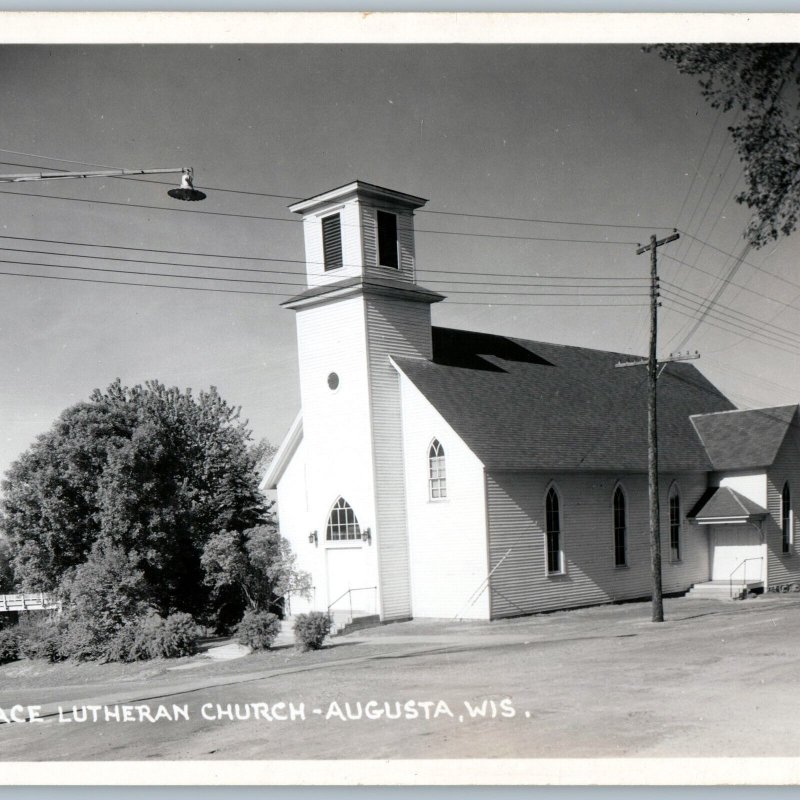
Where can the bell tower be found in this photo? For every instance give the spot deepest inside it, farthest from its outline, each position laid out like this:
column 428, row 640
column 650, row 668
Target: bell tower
column 359, row 230
column 361, row 307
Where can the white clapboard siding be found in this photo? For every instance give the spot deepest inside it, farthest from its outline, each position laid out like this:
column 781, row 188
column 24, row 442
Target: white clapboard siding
column 405, row 237
column 516, row 522
column 337, row 435
column 351, row 245
column 402, row 328
column 447, row 537
column 293, row 522
column 783, row 567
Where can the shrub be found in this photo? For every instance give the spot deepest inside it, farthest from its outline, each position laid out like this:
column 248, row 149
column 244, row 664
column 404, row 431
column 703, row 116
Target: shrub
column 179, row 636
column 44, row 639
column 153, row 636
column 258, row 629
column 9, row 645
column 311, row 629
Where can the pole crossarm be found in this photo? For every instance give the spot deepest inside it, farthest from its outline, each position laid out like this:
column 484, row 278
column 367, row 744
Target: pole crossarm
column 643, row 362
column 671, row 238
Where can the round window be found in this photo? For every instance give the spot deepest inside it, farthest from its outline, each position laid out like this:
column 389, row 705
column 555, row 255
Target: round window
column 333, row 381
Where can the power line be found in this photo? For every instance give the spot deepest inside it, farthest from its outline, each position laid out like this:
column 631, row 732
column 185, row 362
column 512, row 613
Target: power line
column 525, row 238
column 491, row 303
column 538, row 220
column 697, row 170
column 157, row 263
column 760, row 337
column 132, row 283
column 735, row 311
column 741, row 286
column 512, row 287
column 143, row 272
column 746, row 263
column 481, row 273
column 710, row 303
column 735, row 332
column 297, row 221
column 296, row 197
column 283, row 294
column 151, row 208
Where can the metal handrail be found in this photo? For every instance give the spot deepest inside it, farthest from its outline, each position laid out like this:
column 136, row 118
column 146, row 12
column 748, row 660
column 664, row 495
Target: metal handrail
column 744, row 577
column 350, row 593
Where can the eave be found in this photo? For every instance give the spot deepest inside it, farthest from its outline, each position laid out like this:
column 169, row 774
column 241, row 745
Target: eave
column 284, row 455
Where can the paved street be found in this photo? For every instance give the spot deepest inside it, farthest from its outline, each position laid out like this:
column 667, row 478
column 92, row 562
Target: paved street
column 717, row 679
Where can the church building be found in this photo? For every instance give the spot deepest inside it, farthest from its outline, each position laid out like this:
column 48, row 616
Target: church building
column 434, row 472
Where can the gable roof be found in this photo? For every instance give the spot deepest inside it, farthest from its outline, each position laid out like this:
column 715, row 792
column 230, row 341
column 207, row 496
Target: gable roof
column 744, row 439
column 724, row 503
column 522, row 405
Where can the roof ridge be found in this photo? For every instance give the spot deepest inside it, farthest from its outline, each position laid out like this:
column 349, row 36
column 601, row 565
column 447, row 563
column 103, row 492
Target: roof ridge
column 744, row 410
column 539, row 341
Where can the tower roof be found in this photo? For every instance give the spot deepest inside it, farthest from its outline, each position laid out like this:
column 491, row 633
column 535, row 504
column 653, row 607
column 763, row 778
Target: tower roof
column 358, row 189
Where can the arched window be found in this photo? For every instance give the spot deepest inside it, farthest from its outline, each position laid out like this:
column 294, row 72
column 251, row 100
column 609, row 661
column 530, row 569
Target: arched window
column 342, row 523
column 553, row 527
column 786, row 518
column 437, row 475
column 620, row 558
column 674, row 524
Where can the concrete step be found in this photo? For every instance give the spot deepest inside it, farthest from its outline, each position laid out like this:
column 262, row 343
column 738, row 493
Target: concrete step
column 721, row 590
column 344, row 626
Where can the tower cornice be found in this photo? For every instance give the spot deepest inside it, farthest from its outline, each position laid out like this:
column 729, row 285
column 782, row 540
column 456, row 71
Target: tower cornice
column 349, row 287
column 360, row 189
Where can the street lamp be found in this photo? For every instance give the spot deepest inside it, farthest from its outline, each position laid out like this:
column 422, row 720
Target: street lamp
column 185, row 191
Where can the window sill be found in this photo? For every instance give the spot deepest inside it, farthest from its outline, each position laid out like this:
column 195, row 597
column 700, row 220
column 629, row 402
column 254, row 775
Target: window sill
column 556, row 574
column 622, row 566
column 344, row 545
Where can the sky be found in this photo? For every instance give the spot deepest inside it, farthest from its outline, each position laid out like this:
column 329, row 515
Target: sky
column 607, row 142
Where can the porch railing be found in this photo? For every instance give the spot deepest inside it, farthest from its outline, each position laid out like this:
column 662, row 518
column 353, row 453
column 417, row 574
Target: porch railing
column 744, row 576
column 29, row 601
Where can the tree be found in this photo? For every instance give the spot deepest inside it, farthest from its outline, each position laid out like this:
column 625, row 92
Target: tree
column 762, row 82
column 151, row 471
column 254, row 568
column 6, row 571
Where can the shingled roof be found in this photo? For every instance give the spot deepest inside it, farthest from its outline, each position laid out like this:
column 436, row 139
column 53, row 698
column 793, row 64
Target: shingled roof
column 523, row 405
column 724, row 503
column 744, row 439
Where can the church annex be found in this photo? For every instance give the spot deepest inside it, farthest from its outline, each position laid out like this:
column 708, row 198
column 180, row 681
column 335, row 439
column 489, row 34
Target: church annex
column 439, row 473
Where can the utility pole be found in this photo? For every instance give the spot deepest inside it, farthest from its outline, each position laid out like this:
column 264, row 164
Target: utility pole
column 652, row 425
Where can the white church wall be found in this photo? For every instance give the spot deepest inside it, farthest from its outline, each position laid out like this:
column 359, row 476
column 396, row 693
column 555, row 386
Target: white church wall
column 293, row 522
column 752, row 485
column 447, row 538
column 516, row 523
column 783, row 567
column 337, row 438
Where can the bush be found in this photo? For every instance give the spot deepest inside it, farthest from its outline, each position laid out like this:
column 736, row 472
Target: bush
column 311, row 629
column 44, row 639
column 179, row 636
column 153, row 636
column 9, row 645
column 258, row 629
